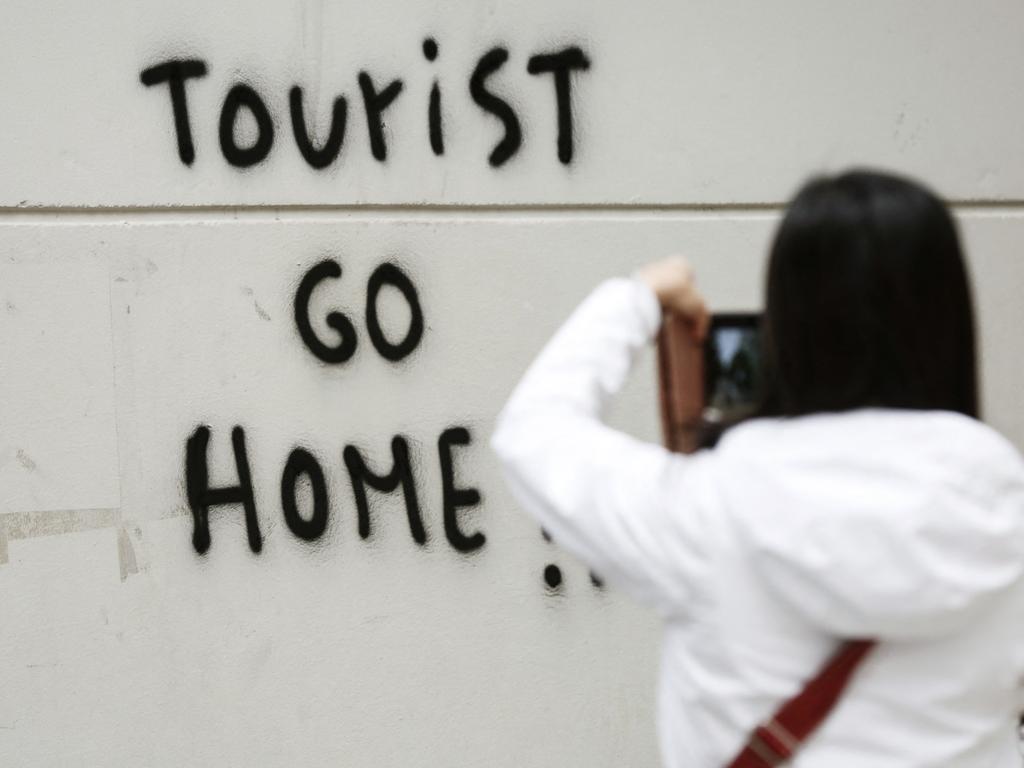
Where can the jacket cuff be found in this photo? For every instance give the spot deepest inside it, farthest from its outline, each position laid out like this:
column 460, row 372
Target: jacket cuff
column 647, row 305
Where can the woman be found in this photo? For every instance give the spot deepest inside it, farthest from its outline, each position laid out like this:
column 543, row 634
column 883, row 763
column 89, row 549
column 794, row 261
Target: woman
column 865, row 500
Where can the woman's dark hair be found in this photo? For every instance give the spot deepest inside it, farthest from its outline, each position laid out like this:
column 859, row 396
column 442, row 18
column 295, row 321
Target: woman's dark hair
column 868, row 302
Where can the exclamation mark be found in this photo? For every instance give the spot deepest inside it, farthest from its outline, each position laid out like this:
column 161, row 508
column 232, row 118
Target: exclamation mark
column 553, row 574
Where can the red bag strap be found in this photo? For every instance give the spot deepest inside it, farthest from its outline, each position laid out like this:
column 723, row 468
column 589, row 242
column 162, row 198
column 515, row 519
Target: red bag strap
column 776, row 740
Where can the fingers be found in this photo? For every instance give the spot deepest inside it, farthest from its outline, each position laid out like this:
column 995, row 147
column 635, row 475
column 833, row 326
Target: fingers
column 674, row 282
column 695, row 310
column 702, row 321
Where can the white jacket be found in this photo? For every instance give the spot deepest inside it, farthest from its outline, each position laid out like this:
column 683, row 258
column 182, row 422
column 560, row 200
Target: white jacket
column 762, row 553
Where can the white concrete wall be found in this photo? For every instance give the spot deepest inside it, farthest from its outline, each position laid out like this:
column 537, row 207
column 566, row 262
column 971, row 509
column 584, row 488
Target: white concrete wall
column 142, row 297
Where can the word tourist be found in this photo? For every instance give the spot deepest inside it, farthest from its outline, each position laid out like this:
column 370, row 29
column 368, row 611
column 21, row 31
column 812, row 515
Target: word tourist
column 377, row 97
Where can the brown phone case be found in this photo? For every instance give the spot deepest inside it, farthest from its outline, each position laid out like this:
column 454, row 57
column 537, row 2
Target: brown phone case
column 680, row 383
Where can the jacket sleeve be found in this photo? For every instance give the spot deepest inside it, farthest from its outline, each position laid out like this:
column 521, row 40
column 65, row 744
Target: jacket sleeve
column 628, row 509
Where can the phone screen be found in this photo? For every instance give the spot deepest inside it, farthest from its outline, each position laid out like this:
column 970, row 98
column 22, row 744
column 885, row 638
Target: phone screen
column 732, row 366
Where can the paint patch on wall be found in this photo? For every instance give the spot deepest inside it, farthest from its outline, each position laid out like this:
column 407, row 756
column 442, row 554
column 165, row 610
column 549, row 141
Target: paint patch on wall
column 125, row 553
column 25, row 460
column 29, row 525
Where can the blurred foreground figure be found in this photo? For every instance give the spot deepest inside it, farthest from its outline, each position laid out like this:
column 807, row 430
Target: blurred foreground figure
column 863, row 499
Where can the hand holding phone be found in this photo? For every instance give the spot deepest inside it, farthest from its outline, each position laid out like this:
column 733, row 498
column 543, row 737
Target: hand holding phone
column 674, row 283
column 707, row 385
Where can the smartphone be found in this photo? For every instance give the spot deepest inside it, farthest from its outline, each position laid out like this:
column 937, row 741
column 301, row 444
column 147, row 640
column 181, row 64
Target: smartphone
column 705, row 387
column 732, row 367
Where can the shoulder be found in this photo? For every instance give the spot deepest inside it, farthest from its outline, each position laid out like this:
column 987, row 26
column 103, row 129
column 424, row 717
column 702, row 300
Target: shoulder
column 937, row 433
column 877, row 521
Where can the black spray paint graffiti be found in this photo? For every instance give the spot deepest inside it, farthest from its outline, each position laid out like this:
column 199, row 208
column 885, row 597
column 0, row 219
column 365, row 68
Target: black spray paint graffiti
column 377, row 97
column 301, row 462
column 553, row 574
column 386, row 274
column 304, row 469
column 434, row 110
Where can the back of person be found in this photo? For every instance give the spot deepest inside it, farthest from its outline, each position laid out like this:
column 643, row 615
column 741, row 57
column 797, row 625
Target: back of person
column 904, row 526
column 864, row 500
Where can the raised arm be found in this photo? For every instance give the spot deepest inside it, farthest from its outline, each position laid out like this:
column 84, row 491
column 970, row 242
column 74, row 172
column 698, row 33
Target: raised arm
column 631, row 510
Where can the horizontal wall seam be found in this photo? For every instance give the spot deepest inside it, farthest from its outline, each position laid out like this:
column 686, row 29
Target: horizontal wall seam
column 16, row 214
